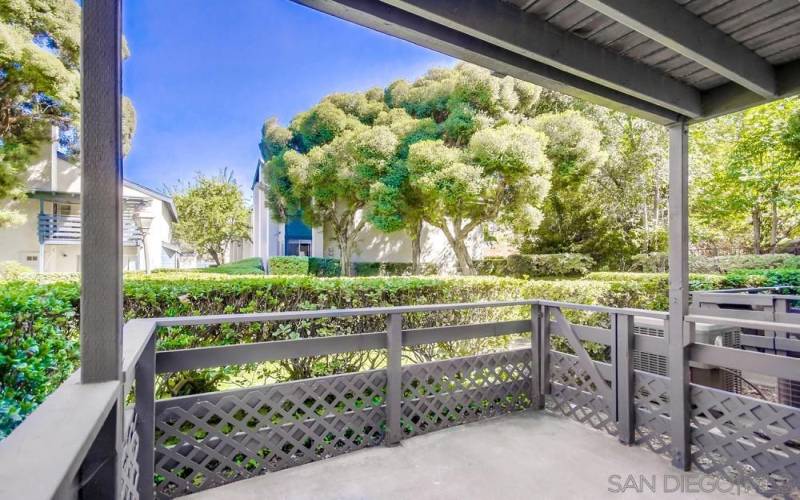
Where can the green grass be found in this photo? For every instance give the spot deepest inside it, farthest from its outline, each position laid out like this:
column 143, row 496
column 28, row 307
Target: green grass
column 245, row 266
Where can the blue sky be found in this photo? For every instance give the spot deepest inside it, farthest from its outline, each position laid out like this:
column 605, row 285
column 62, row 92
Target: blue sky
column 205, row 74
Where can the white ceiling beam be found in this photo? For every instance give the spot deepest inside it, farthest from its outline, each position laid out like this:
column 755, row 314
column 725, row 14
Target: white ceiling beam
column 676, row 28
column 395, row 22
column 506, row 26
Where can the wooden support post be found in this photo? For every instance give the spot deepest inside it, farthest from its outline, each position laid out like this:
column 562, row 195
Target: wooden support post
column 544, row 349
column 537, row 399
column 678, row 338
column 145, row 417
column 101, row 230
column 394, row 379
column 622, row 384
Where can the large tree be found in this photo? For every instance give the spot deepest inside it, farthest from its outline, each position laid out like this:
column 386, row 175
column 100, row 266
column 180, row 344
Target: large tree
column 752, row 174
column 460, row 150
column 501, row 177
column 211, row 215
column 39, row 87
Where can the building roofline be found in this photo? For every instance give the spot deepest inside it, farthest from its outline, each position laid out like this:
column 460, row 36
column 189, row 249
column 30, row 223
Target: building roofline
column 154, row 194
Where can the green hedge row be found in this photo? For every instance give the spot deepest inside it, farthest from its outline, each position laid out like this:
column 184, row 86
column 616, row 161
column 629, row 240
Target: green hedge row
column 328, row 268
column 39, row 321
column 523, row 265
column 656, row 262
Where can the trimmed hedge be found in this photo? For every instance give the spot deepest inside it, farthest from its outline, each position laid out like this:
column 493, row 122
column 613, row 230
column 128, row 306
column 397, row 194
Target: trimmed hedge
column 542, row 265
column 657, row 262
column 330, row 268
column 244, row 266
column 39, row 322
column 288, row 265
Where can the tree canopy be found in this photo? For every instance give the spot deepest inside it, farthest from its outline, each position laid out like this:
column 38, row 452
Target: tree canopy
column 40, row 87
column 457, row 148
column 211, row 215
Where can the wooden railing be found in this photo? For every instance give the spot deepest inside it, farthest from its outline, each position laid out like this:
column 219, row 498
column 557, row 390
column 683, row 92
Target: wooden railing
column 55, row 442
column 67, row 229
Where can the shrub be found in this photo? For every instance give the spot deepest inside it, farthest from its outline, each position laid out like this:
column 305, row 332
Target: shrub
column 39, row 322
column 392, row 269
column 763, row 277
column 12, row 270
column 556, row 264
column 653, row 262
column 289, row 265
column 727, row 263
column 657, row 262
column 492, row 266
column 324, row 267
column 244, row 266
column 38, row 345
column 331, row 268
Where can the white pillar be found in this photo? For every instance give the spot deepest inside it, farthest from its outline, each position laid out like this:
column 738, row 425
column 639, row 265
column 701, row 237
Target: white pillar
column 259, row 229
column 317, row 242
column 678, row 337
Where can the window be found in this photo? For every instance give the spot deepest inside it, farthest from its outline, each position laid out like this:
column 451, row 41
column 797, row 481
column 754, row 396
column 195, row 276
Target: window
column 298, row 247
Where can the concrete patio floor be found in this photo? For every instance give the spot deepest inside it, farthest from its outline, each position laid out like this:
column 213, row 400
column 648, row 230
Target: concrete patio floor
column 524, row 455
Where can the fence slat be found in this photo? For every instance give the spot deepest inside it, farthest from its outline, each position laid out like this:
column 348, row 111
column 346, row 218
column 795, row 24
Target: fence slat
column 394, row 380
column 622, row 326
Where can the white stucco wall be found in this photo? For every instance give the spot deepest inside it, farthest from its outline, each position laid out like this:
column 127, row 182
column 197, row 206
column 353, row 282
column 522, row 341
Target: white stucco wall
column 21, row 243
column 374, row 245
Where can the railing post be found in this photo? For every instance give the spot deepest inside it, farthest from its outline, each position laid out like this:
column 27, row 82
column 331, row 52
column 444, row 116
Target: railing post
column 101, row 234
column 537, row 399
column 622, row 383
column 678, row 337
column 394, row 378
column 145, row 417
column 544, row 349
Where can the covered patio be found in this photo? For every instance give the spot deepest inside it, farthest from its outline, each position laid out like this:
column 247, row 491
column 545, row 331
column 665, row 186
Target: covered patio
column 671, row 62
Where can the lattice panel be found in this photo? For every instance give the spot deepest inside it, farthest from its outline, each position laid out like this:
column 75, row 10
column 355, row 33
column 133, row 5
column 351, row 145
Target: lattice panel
column 651, row 397
column 574, row 394
column 452, row 392
column 130, row 464
column 208, row 440
column 747, row 441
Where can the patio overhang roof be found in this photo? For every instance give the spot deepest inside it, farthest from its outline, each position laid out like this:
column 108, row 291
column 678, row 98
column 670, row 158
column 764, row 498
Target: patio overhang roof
column 664, row 61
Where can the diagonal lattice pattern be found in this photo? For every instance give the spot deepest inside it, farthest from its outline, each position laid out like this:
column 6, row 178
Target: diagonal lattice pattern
column 574, row 394
column 130, row 465
column 455, row 391
column 747, row 441
column 651, row 399
column 211, row 439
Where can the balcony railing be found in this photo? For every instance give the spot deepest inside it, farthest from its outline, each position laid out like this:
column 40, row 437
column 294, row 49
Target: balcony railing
column 67, row 229
column 172, row 447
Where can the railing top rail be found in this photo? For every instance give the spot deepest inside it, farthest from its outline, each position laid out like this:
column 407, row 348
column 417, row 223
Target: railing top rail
column 742, row 290
column 745, row 323
column 214, row 319
column 54, row 439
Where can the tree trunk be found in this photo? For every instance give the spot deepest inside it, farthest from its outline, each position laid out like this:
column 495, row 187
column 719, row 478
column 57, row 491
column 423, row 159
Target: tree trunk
column 415, row 233
column 215, row 256
column 345, row 254
column 773, row 236
column 756, row 231
column 463, row 259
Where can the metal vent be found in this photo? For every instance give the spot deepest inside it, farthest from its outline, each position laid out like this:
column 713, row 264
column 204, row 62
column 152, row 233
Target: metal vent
column 657, row 364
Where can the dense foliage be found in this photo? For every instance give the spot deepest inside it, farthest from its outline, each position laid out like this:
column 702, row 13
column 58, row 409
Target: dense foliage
column 460, row 149
column 658, row 262
column 543, row 265
column 39, row 322
column 39, row 88
column 244, row 266
column 746, row 167
column 324, row 267
column 211, row 215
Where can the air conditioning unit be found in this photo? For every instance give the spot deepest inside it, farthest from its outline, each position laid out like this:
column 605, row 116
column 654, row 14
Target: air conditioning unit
column 705, row 333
